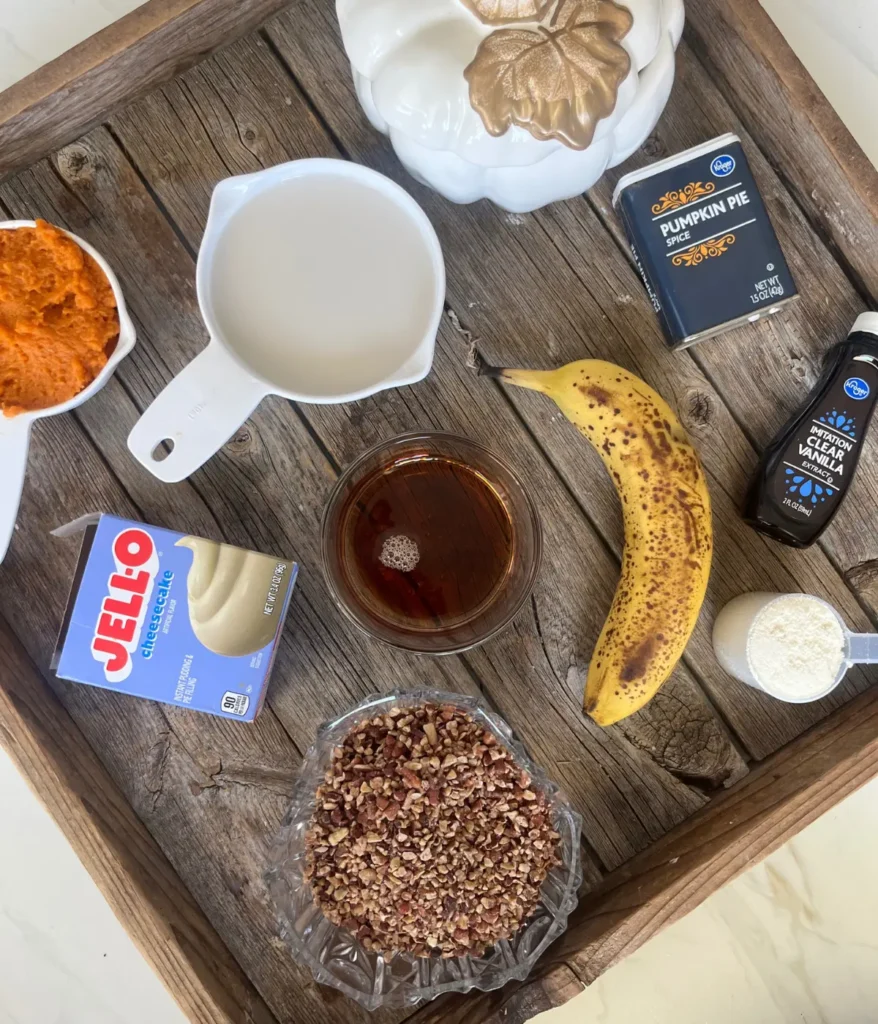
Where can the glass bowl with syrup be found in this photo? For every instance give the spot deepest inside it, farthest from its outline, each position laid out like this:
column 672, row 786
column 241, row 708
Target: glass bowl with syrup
column 431, row 543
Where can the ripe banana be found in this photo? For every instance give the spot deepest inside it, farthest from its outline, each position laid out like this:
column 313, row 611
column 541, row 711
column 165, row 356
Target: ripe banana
column 668, row 530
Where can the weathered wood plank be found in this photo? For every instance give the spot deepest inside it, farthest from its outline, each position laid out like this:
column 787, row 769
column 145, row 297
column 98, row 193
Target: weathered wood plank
column 736, row 830
column 794, row 125
column 142, row 888
column 739, row 828
column 231, row 94
column 78, row 90
column 503, row 268
column 515, row 1003
column 246, row 496
column 164, row 776
column 212, row 793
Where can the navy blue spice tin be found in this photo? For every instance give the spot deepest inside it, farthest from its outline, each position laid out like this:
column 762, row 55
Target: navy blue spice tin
column 703, row 242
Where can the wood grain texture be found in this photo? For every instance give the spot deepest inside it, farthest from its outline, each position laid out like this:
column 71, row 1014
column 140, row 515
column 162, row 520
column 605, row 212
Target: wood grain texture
column 78, row 90
column 764, row 371
column 550, row 287
column 776, row 801
column 141, row 887
column 249, row 494
column 534, row 290
column 736, row 830
column 243, row 95
column 795, row 126
column 516, row 1003
column 212, row 792
column 211, row 795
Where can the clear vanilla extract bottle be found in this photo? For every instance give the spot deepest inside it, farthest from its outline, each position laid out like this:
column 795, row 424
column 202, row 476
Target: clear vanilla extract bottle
column 804, row 474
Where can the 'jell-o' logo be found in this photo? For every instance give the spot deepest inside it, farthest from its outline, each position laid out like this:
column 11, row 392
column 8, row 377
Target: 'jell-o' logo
column 124, row 608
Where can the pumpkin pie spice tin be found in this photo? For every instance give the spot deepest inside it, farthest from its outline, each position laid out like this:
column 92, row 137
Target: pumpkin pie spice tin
column 703, row 242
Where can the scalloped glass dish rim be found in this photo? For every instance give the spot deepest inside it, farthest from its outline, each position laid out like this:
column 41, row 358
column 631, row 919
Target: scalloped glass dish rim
column 284, row 877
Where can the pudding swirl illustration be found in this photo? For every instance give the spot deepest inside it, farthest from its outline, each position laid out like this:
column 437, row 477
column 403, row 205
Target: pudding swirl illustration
column 232, row 596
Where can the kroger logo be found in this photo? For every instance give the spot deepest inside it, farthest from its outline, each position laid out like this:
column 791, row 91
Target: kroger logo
column 856, row 387
column 722, row 166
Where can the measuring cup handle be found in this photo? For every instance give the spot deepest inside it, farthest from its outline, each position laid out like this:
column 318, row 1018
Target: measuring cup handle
column 14, row 438
column 197, row 413
column 863, row 648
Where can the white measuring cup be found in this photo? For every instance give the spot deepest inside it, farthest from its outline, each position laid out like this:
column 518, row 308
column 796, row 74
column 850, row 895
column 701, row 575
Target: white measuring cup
column 254, row 350
column 15, row 430
column 731, row 633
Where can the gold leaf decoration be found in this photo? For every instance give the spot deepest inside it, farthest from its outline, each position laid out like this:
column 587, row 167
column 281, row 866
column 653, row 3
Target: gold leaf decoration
column 557, row 80
column 501, row 12
column 704, row 251
column 674, row 199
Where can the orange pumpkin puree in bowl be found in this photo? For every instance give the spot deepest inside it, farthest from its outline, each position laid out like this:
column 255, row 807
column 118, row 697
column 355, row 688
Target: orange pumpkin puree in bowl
column 58, row 318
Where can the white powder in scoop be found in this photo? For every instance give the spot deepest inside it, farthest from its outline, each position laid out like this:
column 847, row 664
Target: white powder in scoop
column 796, row 646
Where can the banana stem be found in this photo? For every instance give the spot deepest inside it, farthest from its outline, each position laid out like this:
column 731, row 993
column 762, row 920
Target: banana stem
column 534, row 380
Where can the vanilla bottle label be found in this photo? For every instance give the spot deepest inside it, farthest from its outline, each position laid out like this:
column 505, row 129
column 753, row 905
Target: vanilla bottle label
column 804, row 474
column 819, row 460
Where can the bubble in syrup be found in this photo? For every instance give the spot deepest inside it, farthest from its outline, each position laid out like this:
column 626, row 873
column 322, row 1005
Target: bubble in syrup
column 400, row 552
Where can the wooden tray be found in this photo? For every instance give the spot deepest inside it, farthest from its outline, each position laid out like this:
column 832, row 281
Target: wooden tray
column 172, row 812
column 148, row 46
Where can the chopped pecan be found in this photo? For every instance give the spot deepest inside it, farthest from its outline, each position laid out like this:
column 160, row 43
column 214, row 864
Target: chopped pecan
column 428, row 837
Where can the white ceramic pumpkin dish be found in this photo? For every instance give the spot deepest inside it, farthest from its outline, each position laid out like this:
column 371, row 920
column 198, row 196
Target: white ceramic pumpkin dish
column 523, row 102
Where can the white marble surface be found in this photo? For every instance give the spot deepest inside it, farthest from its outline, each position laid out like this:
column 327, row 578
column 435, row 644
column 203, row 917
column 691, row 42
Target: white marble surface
column 64, row 958
column 33, row 32
column 792, row 941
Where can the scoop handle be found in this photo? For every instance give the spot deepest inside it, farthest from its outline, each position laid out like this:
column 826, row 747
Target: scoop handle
column 863, row 648
column 196, row 413
column 14, row 439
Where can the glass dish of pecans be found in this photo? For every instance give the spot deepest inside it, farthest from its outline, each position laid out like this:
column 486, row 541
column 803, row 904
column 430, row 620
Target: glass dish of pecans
column 423, row 852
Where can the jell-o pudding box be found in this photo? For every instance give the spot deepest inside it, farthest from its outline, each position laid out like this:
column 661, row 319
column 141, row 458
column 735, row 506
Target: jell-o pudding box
column 172, row 617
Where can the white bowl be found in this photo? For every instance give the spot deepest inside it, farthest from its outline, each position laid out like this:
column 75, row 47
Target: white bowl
column 15, row 430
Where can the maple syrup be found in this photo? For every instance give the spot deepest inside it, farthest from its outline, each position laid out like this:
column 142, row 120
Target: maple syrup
column 431, row 543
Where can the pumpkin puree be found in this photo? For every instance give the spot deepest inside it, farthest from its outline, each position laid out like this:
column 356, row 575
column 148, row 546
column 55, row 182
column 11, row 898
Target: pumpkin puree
column 58, row 318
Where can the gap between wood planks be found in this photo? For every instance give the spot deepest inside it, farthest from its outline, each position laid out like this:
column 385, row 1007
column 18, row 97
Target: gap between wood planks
column 57, row 179
column 473, row 361
column 90, row 703
column 184, row 95
column 614, row 231
column 121, row 484
column 458, row 323
column 127, row 865
column 724, row 29
column 315, row 51
column 125, row 490
column 741, row 826
column 740, row 421
column 113, row 474
column 539, row 446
